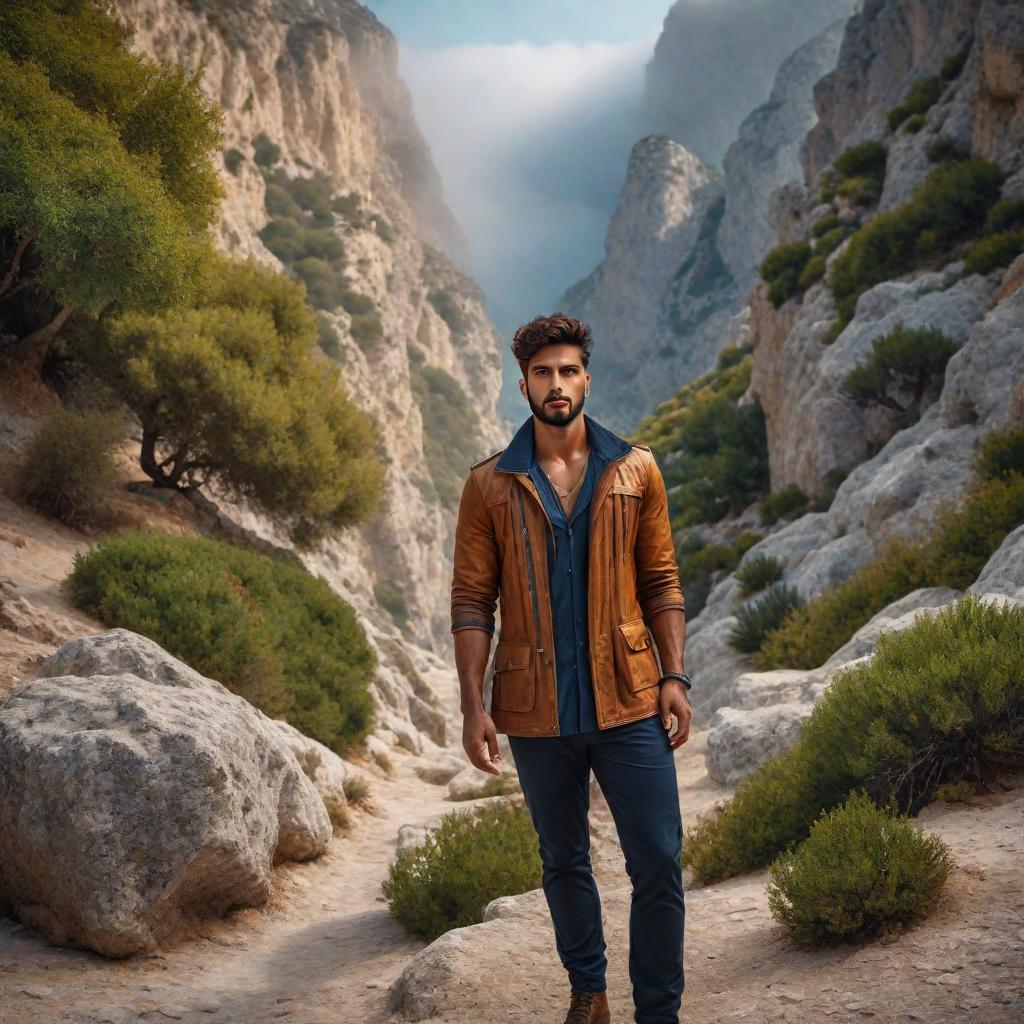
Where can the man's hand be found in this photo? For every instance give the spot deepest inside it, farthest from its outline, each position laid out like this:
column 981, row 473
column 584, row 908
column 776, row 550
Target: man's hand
column 674, row 701
column 480, row 741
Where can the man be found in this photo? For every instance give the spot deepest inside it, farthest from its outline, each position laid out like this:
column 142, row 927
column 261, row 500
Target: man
column 576, row 685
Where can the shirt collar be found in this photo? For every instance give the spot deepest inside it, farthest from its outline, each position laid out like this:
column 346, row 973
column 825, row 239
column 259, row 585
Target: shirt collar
column 519, row 455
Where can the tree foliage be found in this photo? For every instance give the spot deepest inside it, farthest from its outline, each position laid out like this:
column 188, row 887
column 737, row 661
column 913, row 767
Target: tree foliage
column 228, row 389
column 107, row 181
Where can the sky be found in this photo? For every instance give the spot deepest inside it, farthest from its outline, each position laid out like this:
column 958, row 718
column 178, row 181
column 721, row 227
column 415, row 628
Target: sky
column 530, row 110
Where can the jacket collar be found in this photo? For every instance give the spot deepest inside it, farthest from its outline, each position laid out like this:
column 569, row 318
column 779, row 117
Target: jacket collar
column 518, row 456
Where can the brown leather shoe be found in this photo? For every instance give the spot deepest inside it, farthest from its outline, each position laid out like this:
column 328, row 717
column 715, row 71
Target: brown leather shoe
column 587, row 1008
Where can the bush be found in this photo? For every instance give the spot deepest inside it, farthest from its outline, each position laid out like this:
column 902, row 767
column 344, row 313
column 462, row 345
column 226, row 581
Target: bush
column 914, row 123
column 857, row 174
column 759, row 573
column 963, row 539
column 67, row 469
column 944, row 148
column 265, row 152
column 715, row 449
column 262, row 626
column 782, row 503
column 905, row 362
column 860, row 869
column 993, row 251
column 233, row 159
column 392, row 601
column 950, row 204
column 924, row 94
column 781, row 269
column 756, row 619
column 467, row 861
column 941, row 701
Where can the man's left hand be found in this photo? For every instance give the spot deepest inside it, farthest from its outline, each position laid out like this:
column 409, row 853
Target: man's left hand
column 674, row 701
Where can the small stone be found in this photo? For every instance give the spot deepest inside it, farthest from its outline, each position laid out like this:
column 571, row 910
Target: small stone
column 787, row 995
column 948, row 979
column 38, row 991
column 174, row 1012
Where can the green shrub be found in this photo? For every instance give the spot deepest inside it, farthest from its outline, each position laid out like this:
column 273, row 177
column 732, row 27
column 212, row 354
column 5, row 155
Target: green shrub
column 384, row 230
column 392, row 600
column 781, row 503
column 903, row 362
column 955, row 791
column 944, row 148
column 357, row 791
column 755, row 619
column 759, row 573
column 781, row 269
column 857, row 174
column 233, row 159
column 825, row 224
column 718, row 447
column 993, row 251
column 67, row 469
column 1001, row 454
column 467, row 861
column 962, row 540
column 924, row 94
column 831, row 240
column 951, row 203
column 953, row 65
column 861, row 868
column 265, row 152
column 262, row 626
column 864, row 160
column 366, row 329
column 940, row 701
column 327, row 337
column 914, row 123
column 1006, row 214
column 861, row 190
column 814, row 270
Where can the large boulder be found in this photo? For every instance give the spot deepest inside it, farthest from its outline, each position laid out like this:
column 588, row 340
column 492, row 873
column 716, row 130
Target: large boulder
column 137, row 797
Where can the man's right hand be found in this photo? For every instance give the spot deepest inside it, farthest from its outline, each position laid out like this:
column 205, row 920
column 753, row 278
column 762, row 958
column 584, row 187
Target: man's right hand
column 480, row 741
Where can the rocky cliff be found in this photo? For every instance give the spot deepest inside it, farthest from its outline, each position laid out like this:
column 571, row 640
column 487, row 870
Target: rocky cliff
column 682, row 247
column 318, row 79
column 715, row 62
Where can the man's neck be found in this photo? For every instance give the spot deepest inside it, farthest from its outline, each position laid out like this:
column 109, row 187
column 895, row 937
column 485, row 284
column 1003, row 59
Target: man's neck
column 560, row 444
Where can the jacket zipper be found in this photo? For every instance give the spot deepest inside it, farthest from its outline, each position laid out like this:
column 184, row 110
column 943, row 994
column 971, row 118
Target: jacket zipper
column 529, row 570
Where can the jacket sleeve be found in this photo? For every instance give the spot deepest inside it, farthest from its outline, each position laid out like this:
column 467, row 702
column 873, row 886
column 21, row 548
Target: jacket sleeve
column 657, row 572
column 476, row 568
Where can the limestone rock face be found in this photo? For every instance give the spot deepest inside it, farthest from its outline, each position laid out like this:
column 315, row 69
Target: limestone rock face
column 714, row 63
column 683, row 246
column 138, row 797
column 319, row 78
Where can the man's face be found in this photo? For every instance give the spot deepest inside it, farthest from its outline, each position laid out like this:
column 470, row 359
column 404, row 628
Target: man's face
column 555, row 384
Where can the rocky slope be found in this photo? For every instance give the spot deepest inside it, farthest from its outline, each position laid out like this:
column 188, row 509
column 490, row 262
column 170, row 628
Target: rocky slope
column 896, row 481
column 318, row 78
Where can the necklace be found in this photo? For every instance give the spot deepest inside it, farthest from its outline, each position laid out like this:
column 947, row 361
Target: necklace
column 579, row 480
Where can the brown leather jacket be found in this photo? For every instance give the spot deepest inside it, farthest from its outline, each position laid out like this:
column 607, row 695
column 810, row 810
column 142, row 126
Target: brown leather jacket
column 501, row 552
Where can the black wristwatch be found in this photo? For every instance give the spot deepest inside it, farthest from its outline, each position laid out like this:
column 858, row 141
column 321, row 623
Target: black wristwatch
column 677, row 675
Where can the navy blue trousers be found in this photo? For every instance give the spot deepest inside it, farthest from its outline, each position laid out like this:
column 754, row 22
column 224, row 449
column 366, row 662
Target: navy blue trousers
column 634, row 765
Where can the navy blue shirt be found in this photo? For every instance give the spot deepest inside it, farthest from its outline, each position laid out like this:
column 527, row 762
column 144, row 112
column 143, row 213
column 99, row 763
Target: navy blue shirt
column 567, row 571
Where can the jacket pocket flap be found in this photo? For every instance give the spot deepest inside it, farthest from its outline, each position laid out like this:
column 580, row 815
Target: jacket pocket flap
column 511, row 656
column 636, row 634
column 625, row 489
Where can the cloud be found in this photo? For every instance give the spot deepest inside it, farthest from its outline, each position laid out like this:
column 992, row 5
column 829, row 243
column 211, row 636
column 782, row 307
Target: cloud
column 532, row 142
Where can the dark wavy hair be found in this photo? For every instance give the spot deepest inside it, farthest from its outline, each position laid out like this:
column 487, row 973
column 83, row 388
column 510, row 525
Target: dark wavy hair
column 556, row 329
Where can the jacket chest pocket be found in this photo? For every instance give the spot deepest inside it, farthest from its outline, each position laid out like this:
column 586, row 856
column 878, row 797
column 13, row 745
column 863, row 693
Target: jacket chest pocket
column 635, row 654
column 515, row 683
column 625, row 508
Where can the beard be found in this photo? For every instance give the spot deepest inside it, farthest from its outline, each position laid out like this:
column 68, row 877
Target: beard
column 556, row 417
